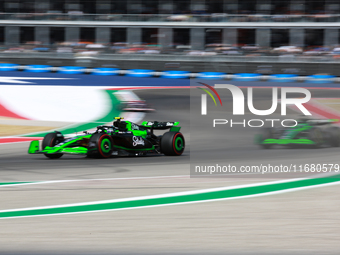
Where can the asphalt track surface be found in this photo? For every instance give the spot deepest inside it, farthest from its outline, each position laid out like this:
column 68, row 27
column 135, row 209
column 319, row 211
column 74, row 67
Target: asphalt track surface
column 304, row 222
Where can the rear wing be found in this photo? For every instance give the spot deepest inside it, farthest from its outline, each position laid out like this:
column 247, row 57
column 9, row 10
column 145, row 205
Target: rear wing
column 155, row 125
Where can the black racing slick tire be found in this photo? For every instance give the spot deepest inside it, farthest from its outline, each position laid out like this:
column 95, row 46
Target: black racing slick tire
column 316, row 135
column 172, row 144
column 267, row 133
column 333, row 136
column 100, row 146
column 51, row 139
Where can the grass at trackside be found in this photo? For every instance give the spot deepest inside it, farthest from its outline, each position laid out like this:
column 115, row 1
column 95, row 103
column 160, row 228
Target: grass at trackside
column 13, row 130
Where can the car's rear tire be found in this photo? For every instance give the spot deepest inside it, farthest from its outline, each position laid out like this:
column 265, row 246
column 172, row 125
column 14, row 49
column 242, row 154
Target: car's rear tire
column 172, row 144
column 100, row 146
column 51, row 139
column 316, row 135
column 267, row 133
column 333, row 136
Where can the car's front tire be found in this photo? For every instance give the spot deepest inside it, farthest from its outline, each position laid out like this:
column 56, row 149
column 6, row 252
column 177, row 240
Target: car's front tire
column 333, row 136
column 267, row 133
column 316, row 135
column 100, row 146
column 52, row 139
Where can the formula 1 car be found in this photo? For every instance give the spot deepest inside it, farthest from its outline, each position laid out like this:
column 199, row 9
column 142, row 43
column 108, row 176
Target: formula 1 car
column 123, row 138
column 308, row 132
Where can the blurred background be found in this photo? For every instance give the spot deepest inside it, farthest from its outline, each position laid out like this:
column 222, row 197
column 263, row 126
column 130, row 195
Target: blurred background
column 254, row 36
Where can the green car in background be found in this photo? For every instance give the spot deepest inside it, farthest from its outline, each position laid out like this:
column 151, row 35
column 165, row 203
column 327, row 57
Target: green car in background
column 308, row 132
column 123, row 138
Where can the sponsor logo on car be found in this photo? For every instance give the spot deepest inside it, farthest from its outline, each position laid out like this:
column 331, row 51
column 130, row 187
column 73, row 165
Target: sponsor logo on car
column 137, row 140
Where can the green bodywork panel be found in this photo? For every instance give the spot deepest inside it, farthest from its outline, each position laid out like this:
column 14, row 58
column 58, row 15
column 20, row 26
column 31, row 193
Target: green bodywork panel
column 289, row 136
column 63, row 148
column 287, row 141
column 69, row 150
column 34, row 147
column 74, row 150
column 135, row 132
column 175, row 129
column 49, row 149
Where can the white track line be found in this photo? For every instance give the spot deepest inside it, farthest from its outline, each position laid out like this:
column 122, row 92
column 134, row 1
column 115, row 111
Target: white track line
column 100, row 179
column 156, row 177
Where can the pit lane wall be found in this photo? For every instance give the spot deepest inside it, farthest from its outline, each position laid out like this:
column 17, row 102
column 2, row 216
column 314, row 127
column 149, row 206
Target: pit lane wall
column 174, row 74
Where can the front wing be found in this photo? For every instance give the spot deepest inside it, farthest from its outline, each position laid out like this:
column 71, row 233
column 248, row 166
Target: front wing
column 258, row 140
column 287, row 141
column 34, row 149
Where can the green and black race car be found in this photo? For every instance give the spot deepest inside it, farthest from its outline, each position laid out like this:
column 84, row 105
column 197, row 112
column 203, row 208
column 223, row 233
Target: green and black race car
column 122, row 138
column 308, row 132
